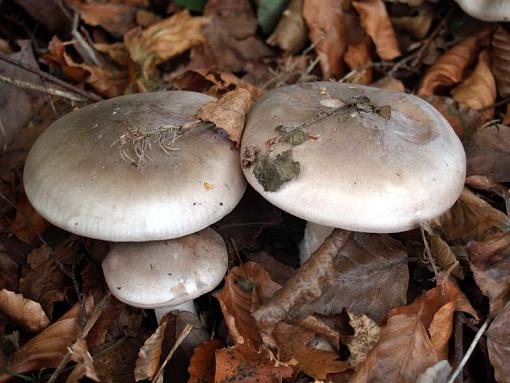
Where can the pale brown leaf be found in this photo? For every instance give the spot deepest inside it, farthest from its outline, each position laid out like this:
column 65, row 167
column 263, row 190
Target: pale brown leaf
column 328, row 32
column 291, row 32
column 449, row 69
column 28, row 223
column 444, row 256
column 116, row 52
column 201, row 368
column 500, row 59
column 390, row 83
column 164, row 40
column 438, row 373
column 366, row 335
column 359, row 56
column 440, row 329
column 403, row 352
column 418, row 22
column 489, row 260
column 376, row 23
column 117, row 18
column 23, row 311
column 147, row 364
column 498, row 345
column 84, row 363
column 228, row 113
column 479, row 89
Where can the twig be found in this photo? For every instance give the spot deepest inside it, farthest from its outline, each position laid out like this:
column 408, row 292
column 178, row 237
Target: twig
column 459, row 346
column 360, row 69
column 470, row 350
column 87, row 49
column 428, row 252
column 50, row 78
column 42, row 89
column 72, row 276
column 185, row 332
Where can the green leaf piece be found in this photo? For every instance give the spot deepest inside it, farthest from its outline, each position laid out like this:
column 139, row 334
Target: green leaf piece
column 269, row 13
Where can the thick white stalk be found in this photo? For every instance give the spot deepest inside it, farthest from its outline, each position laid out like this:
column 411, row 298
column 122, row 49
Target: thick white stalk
column 314, row 237
column 188, row 306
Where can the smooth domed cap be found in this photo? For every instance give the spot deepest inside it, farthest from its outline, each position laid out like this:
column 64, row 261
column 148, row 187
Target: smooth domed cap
column 166, row 273
column 487, row 10
column 122, row 170
column 352, row 156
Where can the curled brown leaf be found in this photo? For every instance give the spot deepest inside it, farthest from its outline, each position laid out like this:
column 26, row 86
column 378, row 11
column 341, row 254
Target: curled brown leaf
column 498, row 344
column 201, row 368
column 116, row 18
column 358, row 57
column 84, row 363
column 147, row 364
column 23, row 311
column 290, row 33
column 500, row 59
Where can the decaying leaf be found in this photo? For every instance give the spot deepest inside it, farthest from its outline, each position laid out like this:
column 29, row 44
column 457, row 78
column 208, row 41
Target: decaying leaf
column 328, row 33
column 390, row 83
column 147, row 364
column 498, row 344
column 296, row 346
column 357, row 57
column 490, row 262
column 28, row 223
column 116, row 17
column 366, row 335
column 403, row 352
column 479, row 89
column 470, row 218
column 418, row 22
column 201, row 368
column 243, row 364
column 449, row 69
column 9, row 272
column 164, row 40
column 272, row 173
column 84, row 363
column 23, row 311
column 438, row 373
column 228, row 113
column 444, row 256
column 290, row 33
column 376, row 23
column 500, row 59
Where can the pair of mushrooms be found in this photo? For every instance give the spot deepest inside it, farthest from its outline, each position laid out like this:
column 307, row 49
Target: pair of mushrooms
column 125, row 170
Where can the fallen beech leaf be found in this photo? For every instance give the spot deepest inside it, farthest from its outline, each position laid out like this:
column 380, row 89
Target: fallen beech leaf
column 376, row 23
column 115, row 17
column 438, row 373
column 279, row 272
column 498, row 344
column 296, row 345
column 4, row 47
column 500, row 59
column 117, row 52
column 28, row 223
column 328, row 33
column 23, row 311
column 290, row 33
column 84, row 363
column 444, row 256
column 470, row 218
column 390, row 83
column 115, row 364
column 449, row 69
column 243, row 364
column 418, row 22
column 47, row 13
column 440, row 329
column 228, row 113
column 106, row 81
column 245, row 287
column 487, row 184
column 319, row 326
column 403, row 352
column 479, row 89
column 358, row 56
column 164, row 40
column 38, row 256
column 9, row 272
column 488, row 152
column 506, row 119
column 147, row 364
column 201, row 367
column 489, row 260
column 48, row 348
column 366, row 335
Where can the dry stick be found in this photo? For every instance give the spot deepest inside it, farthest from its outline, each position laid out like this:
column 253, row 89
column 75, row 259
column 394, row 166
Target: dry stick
column 50, row 78
column 82, row 42
column 185, row 332
column 42, row 89
column 470, row 350
column 459, row 346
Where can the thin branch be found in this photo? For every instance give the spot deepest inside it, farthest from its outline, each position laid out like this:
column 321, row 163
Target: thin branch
column 87, row 49
column 50, row 78
column 470, row 350
column 42, row 89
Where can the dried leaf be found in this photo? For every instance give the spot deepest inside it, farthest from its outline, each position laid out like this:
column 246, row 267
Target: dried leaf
column 117, row 52
column 440, row 329
column 479, row 89
column 376, row 23
column 328, row 33
column 366, row 335
column 243, row 364
column 470, row 218
column 228, row 113
column 23, row 311
column 488, row 152
column 498, row 345
column 9, row 272
column 390, row 83
column 438, row 373
column 357, row 57
column 418, row 22
column 147, row 364
column 164, row 40
column 500, row 59
column 290, row 33
column 115, row 17
column 489, row 260
column 449, row 69
column 115, row 364
column 403, row 352
column 201, row 367
column 296, row 346
column 444, row 256
column 84, row 363
column 48, row 13
column 28, row 223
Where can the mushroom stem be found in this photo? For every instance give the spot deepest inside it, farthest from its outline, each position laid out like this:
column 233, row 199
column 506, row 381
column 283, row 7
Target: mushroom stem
column 313, row 238
column 188, row 306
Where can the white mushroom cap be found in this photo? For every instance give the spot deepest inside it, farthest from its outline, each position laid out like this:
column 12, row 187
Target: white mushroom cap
column 78, row 174
column 487, row 10
column 166, row 273
column 359, row 168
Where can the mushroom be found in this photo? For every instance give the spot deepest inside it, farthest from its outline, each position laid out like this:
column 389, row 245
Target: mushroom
column 166, row 275
column 352, row 157
column 487, row 10
column 130, row 169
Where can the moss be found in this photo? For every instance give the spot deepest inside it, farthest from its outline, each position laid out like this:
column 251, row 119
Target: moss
column 292, row 136
column 272, row 173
